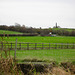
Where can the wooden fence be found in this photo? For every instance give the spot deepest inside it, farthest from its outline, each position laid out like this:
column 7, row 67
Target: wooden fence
column 36, row 46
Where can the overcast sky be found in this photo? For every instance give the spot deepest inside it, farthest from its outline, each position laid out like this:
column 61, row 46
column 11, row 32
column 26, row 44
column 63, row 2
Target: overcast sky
column 38, row 13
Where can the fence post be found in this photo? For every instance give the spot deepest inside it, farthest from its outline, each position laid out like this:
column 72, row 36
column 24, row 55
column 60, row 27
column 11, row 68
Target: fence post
column 27, row 46
column 56, row 46
column 35, row 46
column 20, row 45
column 49, row 45
column 67, row 45
column 73, row 45
column 15, row 48
column 61, row 45
column 42, row 45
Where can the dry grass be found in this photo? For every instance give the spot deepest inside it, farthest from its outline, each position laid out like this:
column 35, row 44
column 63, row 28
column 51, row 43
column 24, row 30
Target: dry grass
column 55, row 71
column 7, row 66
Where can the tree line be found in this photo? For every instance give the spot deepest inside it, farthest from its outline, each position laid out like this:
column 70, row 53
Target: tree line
column 24, row 29
column 64, row 32
column 39, row 31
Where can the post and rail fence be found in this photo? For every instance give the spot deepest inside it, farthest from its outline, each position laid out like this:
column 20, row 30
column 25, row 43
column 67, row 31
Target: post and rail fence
column 36, row 46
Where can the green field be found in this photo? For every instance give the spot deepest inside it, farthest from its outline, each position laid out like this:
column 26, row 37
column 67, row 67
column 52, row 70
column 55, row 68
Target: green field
column 46, row 55
column 37, row 39
column 9, row 32
column 40, row 39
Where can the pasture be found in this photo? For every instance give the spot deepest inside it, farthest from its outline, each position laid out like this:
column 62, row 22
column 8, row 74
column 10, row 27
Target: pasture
column 40, row 39
column 47, row 55
column 58, row 55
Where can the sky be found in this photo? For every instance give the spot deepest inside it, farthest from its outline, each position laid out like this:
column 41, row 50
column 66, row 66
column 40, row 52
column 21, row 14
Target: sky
column 38, row 13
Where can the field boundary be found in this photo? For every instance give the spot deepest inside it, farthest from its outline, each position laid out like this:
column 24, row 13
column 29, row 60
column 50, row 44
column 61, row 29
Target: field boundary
column 36, row 46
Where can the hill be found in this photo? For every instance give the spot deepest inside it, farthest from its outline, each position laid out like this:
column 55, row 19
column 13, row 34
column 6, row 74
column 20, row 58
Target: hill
column 9, row 32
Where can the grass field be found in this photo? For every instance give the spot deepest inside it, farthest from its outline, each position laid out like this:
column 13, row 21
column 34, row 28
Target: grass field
column 46, row 55
column 9, row 32
column 40, row 39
